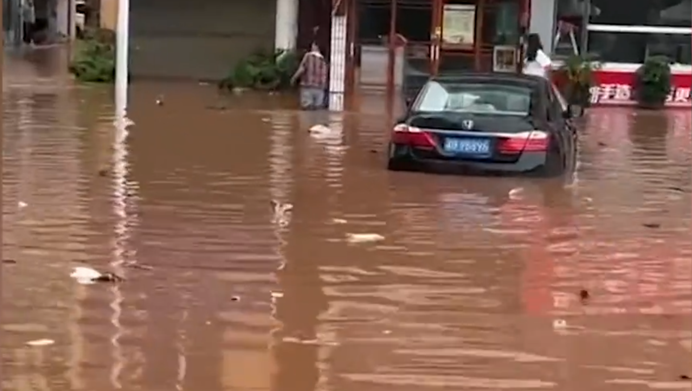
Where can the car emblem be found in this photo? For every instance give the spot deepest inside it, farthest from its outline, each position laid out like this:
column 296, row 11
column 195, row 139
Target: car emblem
column 467, row 124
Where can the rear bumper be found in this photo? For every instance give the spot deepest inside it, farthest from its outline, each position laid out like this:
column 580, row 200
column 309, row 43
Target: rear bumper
column 528, row 163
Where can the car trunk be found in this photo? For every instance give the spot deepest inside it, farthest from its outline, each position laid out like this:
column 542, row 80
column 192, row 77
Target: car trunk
column 454, row 129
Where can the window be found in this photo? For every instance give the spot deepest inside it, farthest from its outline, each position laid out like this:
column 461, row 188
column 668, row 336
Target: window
column 668, row 13
column 636, row 47
column 477, row 98
column 501, row 23
column 630, row 32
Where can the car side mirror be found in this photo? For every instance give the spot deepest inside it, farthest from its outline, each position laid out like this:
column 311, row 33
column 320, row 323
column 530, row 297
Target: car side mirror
column 573, row 111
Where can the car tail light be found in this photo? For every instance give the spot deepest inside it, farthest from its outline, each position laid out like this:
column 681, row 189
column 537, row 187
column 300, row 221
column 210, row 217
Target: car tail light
column 534, row 141
column 412, row 136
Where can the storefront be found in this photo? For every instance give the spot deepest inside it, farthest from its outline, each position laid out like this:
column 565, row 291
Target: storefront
column 400, row 43
column 621, row 36
column 397, row 44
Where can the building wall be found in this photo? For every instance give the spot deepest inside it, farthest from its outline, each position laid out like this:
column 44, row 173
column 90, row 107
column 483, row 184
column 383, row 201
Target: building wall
column 542, row 21
column 199, row 39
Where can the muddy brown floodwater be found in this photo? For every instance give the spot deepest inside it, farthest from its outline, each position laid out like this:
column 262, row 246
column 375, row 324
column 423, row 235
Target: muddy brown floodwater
column 470, row 289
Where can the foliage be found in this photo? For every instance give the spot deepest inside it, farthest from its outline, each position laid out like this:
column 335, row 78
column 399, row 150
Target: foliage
column 263, row 70
column 653, row 82
column 578, row 72
column 94, row 58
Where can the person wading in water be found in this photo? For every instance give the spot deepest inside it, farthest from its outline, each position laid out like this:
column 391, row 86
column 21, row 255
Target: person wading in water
column 312, row 73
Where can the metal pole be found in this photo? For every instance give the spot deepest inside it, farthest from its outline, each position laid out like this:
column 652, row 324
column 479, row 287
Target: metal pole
column 121, row 61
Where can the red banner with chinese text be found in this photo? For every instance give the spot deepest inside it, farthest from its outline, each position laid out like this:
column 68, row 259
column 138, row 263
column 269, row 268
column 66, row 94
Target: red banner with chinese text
column 615, row 88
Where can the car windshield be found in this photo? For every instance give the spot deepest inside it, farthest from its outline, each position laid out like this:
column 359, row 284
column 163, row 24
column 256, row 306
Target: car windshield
column 476, row 98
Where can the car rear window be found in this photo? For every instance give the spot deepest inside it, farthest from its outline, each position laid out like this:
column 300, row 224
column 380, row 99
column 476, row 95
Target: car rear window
column 476, row 98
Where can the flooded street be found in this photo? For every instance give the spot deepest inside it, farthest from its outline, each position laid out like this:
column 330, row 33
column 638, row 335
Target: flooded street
column 469, row 289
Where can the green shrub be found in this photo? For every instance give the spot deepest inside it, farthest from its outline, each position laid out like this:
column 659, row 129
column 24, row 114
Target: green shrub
column 579, row 78
column 94, row 58
column 653, row 82
column 263, row 71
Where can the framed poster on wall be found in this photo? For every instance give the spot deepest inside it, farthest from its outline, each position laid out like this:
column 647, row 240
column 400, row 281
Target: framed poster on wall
column 505, row 58
column 458, row 24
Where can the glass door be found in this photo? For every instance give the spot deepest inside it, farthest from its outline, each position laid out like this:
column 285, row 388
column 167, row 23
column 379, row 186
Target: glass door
column 476, row 35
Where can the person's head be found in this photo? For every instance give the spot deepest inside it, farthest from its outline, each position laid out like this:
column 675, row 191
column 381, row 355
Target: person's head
column 533, row 45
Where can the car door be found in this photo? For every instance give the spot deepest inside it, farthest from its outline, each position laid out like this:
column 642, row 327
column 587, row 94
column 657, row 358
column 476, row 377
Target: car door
column 563, row 125
column 556, row 120
column 564, row 106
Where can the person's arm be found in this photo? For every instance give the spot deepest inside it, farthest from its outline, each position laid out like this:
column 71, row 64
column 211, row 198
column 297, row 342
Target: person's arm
column 543, row 60
column 299, row 71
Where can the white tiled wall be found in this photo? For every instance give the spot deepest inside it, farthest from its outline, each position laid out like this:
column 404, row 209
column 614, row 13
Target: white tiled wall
column 337, row 64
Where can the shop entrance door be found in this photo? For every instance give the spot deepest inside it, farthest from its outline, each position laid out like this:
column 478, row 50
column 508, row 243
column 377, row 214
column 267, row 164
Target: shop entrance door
column 477, row 35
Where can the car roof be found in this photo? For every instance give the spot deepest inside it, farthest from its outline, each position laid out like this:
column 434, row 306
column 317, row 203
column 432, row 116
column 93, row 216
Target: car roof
column 490, row 77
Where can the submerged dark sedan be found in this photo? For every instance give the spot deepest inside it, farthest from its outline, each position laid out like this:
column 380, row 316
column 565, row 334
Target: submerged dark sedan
column 486, row 123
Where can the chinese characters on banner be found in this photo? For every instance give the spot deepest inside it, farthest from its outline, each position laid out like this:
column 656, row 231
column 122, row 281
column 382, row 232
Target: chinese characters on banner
column 615, row 88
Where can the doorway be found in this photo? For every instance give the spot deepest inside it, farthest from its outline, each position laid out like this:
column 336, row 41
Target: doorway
column 477, row 35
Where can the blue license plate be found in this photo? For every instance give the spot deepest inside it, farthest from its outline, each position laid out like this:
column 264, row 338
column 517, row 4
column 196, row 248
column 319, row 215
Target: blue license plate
column 467, row 146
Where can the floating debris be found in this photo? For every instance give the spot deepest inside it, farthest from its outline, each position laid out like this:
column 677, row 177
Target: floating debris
column 652, row 225
column 159, row 100
column 277, row 295
column 363, row 238
column 41, row 342
column 9, row 262
column 516, row 193
column 319, row 129
column 684, row 377
column 235, row 298
column 339, row 221
column 109, row 277
column 602, row 144
column 279, row 208
column 678, row 189
column 22, row 204
column 559, row 324
column 135, row 265
column 584, row 295
column 86, row 276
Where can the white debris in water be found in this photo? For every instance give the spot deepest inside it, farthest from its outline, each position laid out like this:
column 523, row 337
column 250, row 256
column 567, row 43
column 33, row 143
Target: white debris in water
column 319, row 129
column 363, row 238
column 41, row 342
column 559, row 324
column 277, row 295
column 516, row 193
column 339, row 221
column 85, row 275
column 22, row 204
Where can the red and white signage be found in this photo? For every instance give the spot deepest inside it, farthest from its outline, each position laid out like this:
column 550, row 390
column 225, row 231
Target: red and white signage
column 615, row 88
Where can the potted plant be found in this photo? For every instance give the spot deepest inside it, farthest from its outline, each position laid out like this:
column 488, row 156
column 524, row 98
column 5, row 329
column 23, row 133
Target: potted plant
column 577, row 74
column 652, row 84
